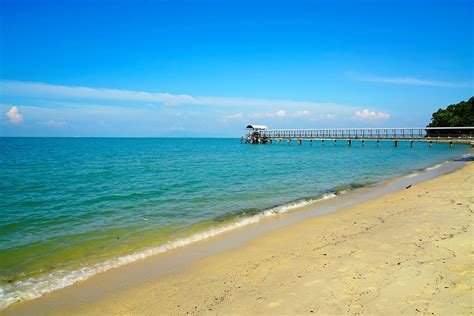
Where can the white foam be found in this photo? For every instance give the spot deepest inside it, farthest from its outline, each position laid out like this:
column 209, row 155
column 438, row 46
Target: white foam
column 434, row 167
column 411, row 175
column 38, row 286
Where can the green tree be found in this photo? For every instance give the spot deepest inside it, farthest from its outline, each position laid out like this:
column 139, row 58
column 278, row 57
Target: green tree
column 455, row 115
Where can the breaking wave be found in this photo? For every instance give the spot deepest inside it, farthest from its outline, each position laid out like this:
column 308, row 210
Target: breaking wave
column 35, row 287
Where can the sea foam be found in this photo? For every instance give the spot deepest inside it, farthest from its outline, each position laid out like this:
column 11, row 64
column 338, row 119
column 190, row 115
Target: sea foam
column 434, row 167
column 38, row 286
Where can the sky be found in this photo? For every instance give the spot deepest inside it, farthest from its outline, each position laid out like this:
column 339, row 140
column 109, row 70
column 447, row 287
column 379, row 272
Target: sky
column 209, row 68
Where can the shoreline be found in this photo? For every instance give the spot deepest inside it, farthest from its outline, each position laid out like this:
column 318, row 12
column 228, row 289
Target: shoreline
column 225, row 241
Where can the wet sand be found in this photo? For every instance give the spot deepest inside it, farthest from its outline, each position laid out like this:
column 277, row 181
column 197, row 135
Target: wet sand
column 406, row 252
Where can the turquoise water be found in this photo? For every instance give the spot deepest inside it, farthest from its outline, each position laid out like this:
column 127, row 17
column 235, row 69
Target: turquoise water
column 72, row 207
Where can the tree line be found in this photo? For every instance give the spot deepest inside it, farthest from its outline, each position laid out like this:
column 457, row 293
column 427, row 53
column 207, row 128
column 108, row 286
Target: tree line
column 455, row 115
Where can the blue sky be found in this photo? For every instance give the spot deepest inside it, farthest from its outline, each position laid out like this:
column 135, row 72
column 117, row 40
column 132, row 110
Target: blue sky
column 207, row 68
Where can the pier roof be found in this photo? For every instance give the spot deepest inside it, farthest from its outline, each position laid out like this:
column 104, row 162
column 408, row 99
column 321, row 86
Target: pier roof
column 256, row 127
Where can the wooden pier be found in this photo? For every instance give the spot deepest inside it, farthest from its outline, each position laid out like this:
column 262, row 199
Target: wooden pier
column 259, row 134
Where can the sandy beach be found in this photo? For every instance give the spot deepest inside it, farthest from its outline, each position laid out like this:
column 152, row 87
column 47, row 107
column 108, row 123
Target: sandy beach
column 408, row 252
column 236, row 157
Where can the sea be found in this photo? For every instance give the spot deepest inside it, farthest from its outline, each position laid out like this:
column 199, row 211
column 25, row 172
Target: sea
column 74, row 207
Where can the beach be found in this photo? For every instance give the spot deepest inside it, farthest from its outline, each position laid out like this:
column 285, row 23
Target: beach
column 236, row 158
column 405, row 252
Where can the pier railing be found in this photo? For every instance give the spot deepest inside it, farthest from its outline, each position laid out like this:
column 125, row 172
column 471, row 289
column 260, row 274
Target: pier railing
column 451, row 135
column 371, row 133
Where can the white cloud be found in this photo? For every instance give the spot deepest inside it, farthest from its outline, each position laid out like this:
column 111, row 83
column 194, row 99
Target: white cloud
column 297, row 114
column 268, row 115
column 233, row 117
column 280, row 113
column 371, row 115
column 329, row 117
column 304, row 113
column 62, row 92
column 52, row 123
column 14, row 115
column 324, row 117
column 408, row 81
column 256, row 116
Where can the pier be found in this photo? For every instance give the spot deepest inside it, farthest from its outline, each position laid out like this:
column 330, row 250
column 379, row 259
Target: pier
column 260, row 134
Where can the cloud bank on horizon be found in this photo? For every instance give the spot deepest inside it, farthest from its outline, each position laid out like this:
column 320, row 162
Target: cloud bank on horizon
column 56, row 107
column 63, row 109
column 61, row 92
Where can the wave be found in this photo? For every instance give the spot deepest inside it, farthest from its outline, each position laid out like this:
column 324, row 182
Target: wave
column 35, row 287
column 412, row 175
column 434, row 167
column 344, row 188
column 416, row 172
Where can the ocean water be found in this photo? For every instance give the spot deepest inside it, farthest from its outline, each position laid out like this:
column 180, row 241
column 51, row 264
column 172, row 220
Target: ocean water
column 73, row 207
